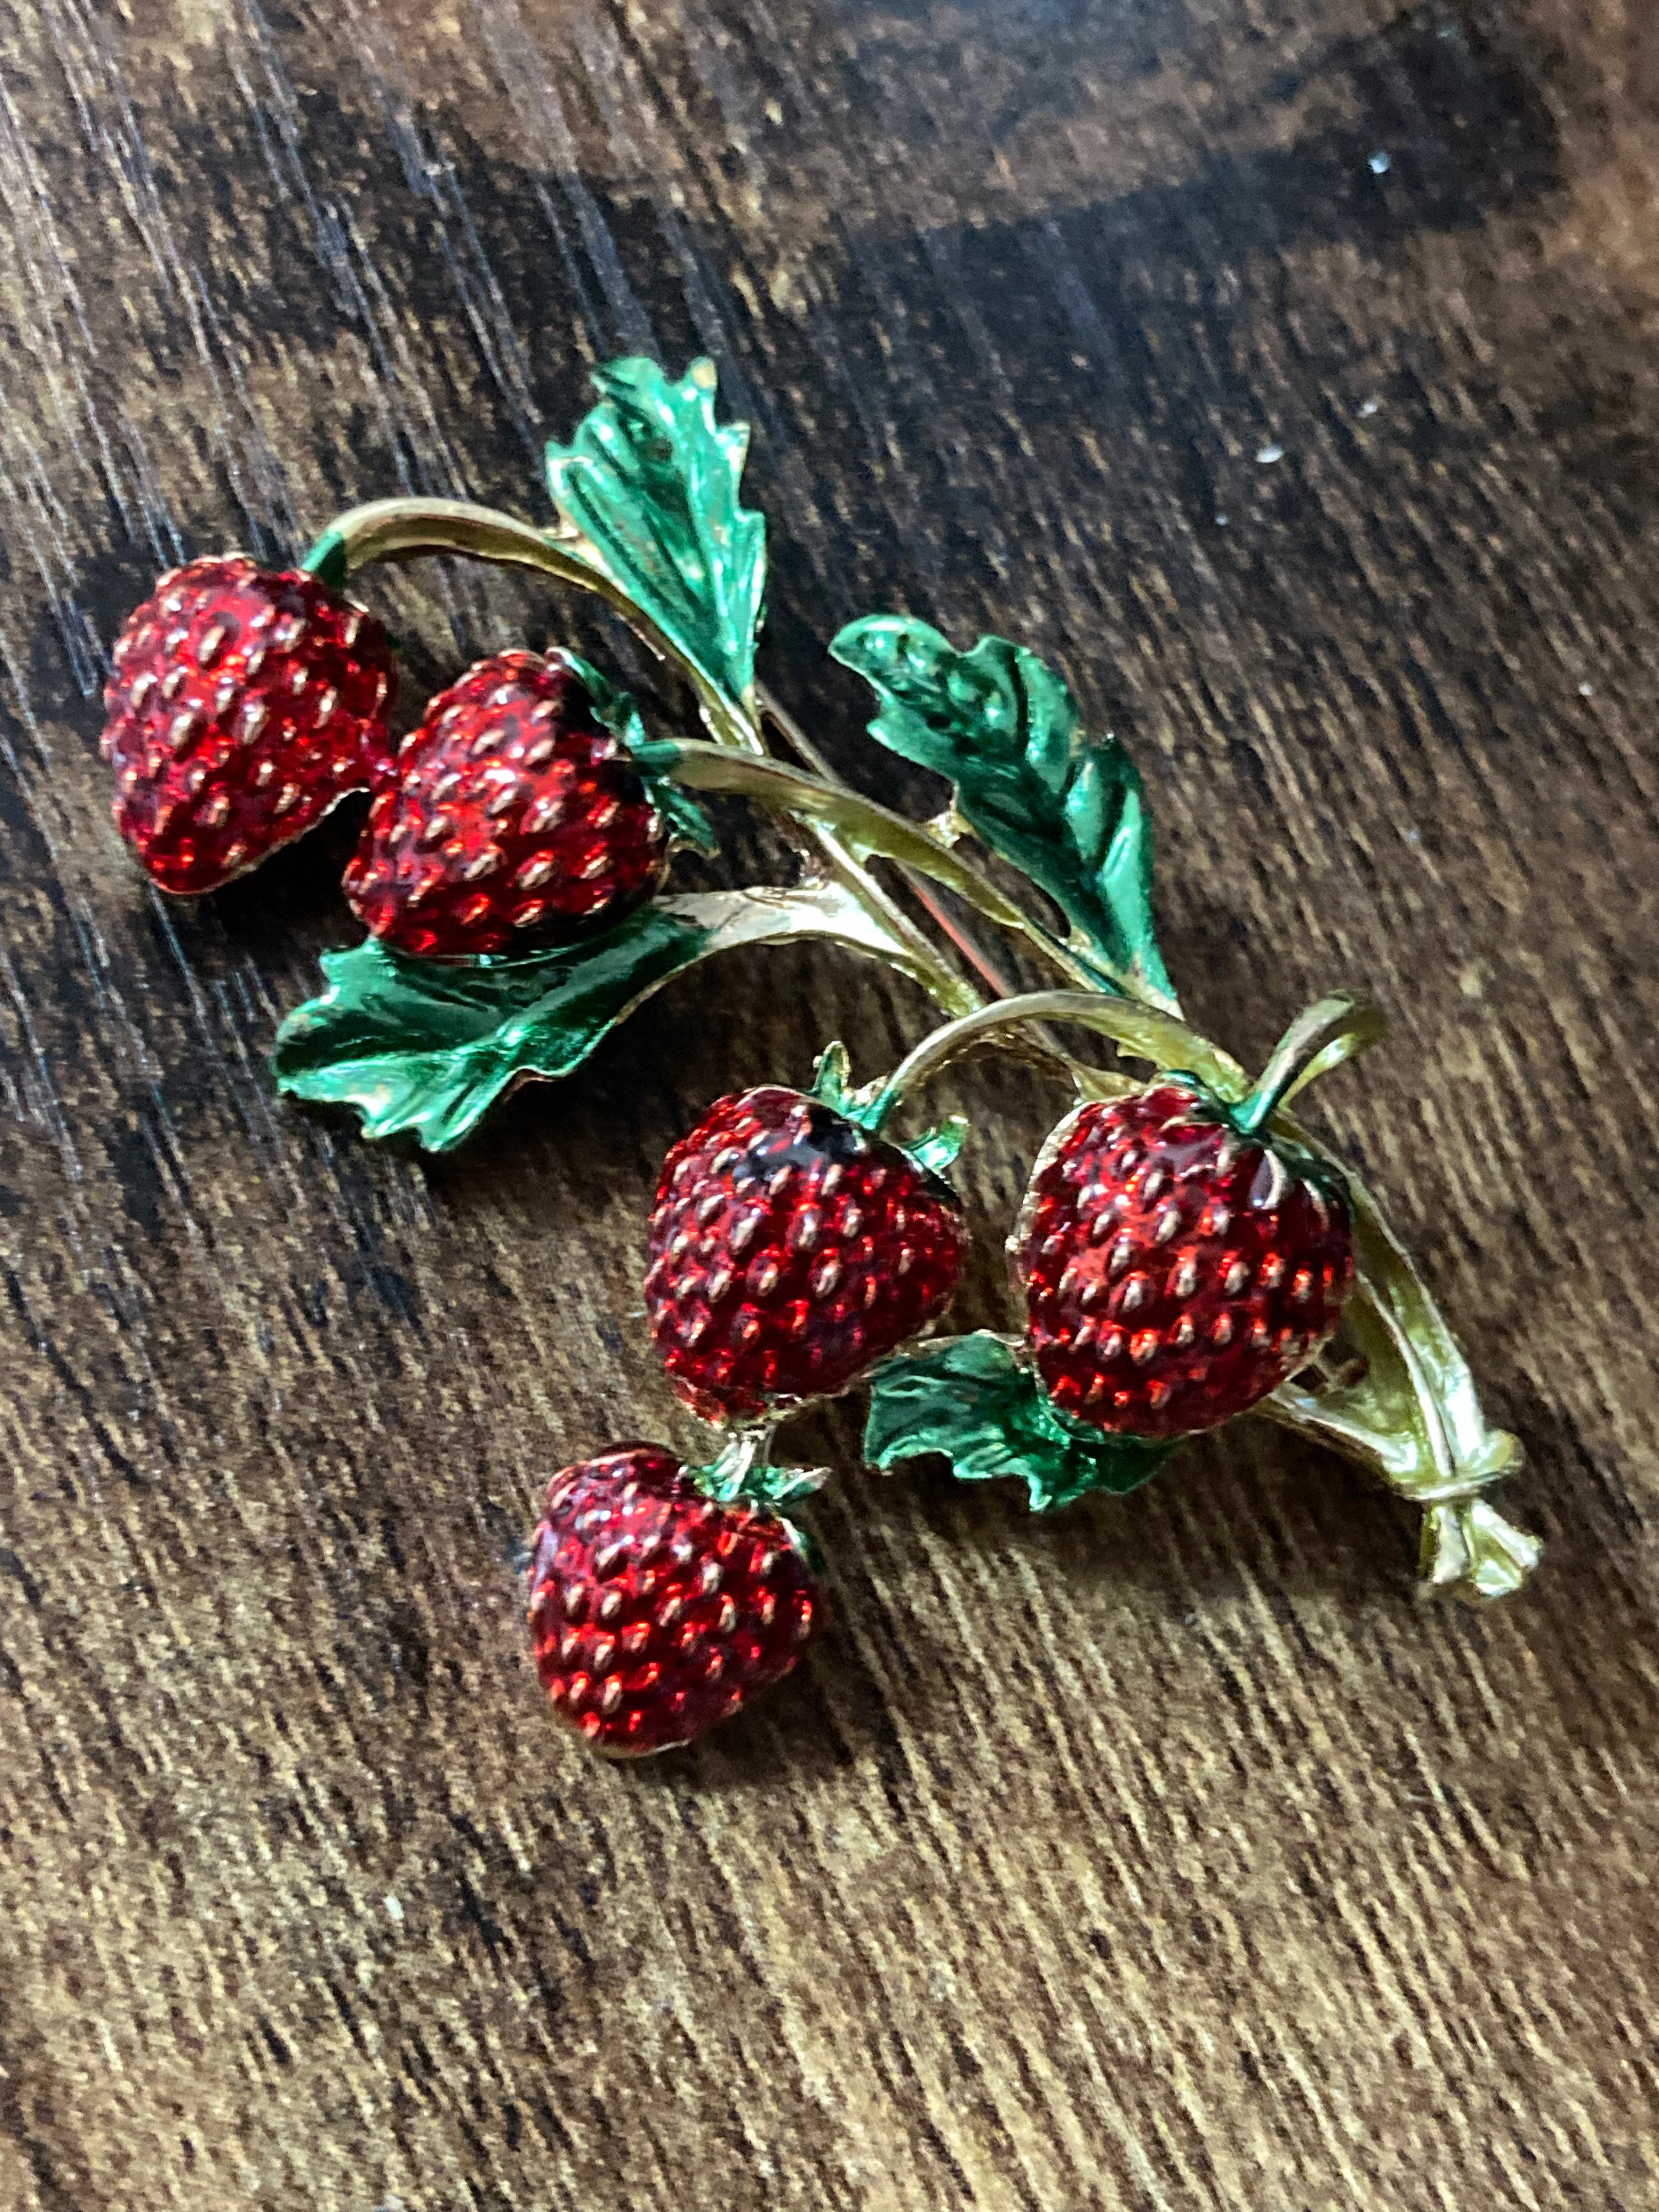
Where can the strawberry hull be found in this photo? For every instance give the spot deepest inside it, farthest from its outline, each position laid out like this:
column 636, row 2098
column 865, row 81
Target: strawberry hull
column 788, row 1250
column 655, row 1611
column 1174, row 1273
column 244, row 703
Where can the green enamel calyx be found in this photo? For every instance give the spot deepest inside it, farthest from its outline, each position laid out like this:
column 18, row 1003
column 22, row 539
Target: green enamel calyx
column 972, row 1400
column 615, row 709
column 742, row 1475
column 934, row 1153
column 1300, row 1160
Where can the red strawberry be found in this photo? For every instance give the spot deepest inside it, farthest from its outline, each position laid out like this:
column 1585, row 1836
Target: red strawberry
column 515, row 818
column 1174, row 1270
column 657, row 1610
column 244, row 703
column 789, row 1248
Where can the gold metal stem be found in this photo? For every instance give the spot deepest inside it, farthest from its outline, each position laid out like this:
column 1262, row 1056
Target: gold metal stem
column 1140, row 1031
column 996, row 979
column 867, row 831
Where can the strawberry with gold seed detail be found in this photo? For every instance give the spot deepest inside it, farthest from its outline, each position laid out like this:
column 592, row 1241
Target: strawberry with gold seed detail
column 791, row 1246
column 663, row 1597
column 243, row 704
column 515, row 818
column 1178, row 1261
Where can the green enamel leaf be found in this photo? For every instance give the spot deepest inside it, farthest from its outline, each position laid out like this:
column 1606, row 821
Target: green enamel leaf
column 969, row 1399
column 650, row 480
column 427, row 1046
column 1065, row 808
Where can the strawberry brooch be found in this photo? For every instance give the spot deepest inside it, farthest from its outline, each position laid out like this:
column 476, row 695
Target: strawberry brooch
column 1189, row 1255
column 1172, row 1274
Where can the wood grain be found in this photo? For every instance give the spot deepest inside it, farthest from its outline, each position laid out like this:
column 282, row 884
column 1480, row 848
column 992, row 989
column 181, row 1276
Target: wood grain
column 1167, row 1855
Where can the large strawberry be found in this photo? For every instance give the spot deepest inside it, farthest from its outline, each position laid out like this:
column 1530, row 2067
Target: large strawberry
column 791, row 1246
column 658, row 1610
column 515, row 818
column 1175, row 1270
column 244, row 703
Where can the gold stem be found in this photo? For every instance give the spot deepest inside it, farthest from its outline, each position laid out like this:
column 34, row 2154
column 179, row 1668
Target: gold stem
column 868, row 829
column 1141, row 1032
column 999, row 983
column 1320, row 1038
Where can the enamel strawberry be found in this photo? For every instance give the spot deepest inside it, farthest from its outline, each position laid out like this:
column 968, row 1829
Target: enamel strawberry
column 1175, row 1272
column 790, row 1247
column 243, row 704
column 657, row 1610
column 513, row 819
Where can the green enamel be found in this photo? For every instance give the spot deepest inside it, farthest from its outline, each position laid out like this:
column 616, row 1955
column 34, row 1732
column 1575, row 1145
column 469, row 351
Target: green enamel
column 935, row 1152
column 615, row 709
column 650, row 480
column 1065, row 808
column 327, row 561
column 969, row 1399
column 773, row 1487
column 427, row 1046
column 833, row 1084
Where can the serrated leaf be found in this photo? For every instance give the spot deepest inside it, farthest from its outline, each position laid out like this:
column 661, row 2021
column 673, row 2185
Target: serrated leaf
column 427, row 1046
column 1066, row 809
column 650, row 480
column 969, row 1399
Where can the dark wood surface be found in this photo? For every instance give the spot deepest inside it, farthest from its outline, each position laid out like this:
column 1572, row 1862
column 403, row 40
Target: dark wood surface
column 1170, row 1854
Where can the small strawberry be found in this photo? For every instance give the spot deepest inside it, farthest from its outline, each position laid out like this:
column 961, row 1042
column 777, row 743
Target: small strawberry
column 515, row 818
column 790, row 1246
column 1177, row 1266
column 244, row 703
column 657, row 1608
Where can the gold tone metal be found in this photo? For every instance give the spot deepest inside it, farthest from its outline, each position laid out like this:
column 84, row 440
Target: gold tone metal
column 1141, row 1032
column 1411, row 1416
column 869, row 831
column 999, row 983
